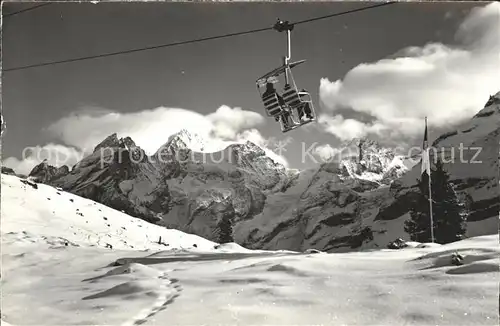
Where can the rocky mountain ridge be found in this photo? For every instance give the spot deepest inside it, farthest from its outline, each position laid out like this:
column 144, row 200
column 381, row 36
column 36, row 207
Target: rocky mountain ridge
column 241, row 194
column 365, row 159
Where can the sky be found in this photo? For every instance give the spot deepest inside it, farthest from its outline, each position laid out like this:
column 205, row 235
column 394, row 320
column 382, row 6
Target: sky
column 374, row 74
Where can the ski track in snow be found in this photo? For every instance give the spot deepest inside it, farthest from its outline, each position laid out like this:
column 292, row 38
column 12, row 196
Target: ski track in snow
column 165, row 297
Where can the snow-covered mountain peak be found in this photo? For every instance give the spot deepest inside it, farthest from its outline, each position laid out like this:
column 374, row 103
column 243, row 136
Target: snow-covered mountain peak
column 366, row 159
column 185, row 139
column 359, row 148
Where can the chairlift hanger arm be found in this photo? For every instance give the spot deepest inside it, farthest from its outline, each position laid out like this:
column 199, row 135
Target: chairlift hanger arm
column 282, row 26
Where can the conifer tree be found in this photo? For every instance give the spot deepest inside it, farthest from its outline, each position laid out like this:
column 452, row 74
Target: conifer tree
column 449, row 212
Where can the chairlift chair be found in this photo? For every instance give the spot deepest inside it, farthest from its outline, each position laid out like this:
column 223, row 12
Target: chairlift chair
column 293, row 108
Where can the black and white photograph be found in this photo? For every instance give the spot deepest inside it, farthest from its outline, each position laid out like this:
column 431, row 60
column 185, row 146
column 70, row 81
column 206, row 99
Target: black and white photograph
column 250, row 163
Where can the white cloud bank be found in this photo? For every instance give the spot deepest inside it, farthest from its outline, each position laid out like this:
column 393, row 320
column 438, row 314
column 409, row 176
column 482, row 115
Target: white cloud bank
column 347, row 129
column 446, row 83
column 227, row 122
column 150, row 130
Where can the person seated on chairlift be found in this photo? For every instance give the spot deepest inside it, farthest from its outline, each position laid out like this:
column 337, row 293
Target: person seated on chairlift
column 271, row 90
column 306, row 108
column 286, row 114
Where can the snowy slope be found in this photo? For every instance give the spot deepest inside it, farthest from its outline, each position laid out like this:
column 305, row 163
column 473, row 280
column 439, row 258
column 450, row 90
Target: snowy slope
column 51, row 216
column 44, row 284
column 58, row 270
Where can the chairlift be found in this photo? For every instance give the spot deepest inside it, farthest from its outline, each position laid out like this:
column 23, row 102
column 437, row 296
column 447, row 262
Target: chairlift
column 294, row 107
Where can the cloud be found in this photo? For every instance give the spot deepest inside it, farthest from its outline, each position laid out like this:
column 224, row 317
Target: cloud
column 56, row 155
column 347, row 129
column 228, row 122
column 150, row 129
column 447, row 83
